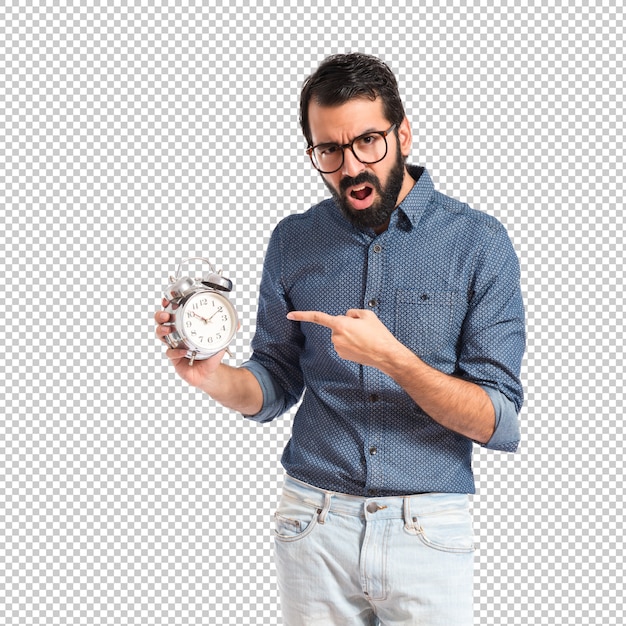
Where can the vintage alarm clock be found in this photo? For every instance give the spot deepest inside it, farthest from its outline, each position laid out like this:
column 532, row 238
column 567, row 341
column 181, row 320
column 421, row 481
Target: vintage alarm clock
column 203, row 317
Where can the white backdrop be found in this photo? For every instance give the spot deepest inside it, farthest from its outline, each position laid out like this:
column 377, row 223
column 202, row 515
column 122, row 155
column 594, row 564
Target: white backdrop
column 134, row 134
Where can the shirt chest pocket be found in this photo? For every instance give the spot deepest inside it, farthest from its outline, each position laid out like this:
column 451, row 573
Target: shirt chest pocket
column 425, row 320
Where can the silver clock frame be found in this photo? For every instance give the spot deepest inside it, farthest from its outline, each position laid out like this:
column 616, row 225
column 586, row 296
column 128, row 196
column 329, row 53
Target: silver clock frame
column 177, row 294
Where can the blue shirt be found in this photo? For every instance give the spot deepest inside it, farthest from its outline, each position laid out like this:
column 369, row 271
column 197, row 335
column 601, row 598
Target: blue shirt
column 444, row 279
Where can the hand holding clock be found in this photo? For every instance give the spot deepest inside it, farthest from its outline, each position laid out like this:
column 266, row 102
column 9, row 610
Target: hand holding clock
column 201, row 369
column 233, row 387
column 187, row 300
column 197, row 324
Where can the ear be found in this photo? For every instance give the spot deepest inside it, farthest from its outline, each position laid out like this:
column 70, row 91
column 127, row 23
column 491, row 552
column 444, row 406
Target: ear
column 406, row 137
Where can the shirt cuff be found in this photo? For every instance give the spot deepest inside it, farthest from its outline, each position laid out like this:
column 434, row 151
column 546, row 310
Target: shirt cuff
column 273, row 394
column 506, row 436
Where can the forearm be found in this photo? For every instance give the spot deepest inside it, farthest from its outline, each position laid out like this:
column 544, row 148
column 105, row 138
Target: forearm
column 456, row 404
column 235, row 388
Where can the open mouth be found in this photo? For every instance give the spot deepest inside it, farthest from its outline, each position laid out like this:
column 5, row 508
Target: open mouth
column 359, row 193
column 362, row 192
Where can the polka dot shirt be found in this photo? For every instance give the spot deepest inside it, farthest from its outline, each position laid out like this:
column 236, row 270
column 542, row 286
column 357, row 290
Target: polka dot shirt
column 444, row 279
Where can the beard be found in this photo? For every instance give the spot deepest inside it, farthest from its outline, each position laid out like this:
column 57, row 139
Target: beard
column 379, row 213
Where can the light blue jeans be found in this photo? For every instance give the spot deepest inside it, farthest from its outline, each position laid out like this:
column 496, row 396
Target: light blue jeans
column 348, row 560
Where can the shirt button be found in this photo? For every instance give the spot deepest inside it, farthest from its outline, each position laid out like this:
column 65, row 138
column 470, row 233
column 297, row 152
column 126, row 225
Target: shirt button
column 373, row 450
column 378, row 248
column 372, row 303
column 374, row 397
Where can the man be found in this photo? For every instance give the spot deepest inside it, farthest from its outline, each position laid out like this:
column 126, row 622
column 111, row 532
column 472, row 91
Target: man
column 397, row 311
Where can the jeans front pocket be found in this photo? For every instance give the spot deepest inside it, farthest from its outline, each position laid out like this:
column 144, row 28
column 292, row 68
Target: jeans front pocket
column 424, row 320
column 448, row 530
column 294, row 519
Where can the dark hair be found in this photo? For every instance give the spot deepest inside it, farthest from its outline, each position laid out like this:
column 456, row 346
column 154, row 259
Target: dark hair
column 343, row 77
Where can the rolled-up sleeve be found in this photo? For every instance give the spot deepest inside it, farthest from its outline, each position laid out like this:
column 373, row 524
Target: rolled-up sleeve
column 274, row 400
column 277, row 343
column 506, row 435
column 494, row 338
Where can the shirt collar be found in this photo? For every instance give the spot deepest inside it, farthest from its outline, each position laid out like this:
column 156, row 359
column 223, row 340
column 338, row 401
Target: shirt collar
column 412, row 207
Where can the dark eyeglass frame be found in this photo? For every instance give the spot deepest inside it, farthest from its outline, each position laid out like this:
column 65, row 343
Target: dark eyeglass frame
column 383, row 133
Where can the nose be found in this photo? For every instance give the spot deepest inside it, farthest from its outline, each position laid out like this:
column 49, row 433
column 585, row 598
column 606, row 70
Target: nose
column 351, row 165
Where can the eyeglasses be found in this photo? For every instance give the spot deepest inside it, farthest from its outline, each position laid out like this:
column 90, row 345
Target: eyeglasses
column 368, row 148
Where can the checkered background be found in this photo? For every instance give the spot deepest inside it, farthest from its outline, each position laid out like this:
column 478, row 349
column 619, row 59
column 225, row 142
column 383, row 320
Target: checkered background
column 135, row 134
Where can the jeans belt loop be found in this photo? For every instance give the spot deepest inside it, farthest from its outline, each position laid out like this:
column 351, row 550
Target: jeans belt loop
column 323, row 512
column 411, row 522
column 408, row 524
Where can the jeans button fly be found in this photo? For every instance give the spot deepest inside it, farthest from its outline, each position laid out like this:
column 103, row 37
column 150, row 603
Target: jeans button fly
column 372, row 507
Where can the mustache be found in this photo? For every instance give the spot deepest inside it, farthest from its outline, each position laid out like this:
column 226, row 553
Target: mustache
column 363, row 177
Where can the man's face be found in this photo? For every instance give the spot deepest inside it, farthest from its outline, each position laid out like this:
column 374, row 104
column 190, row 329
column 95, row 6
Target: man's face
column 366, row 194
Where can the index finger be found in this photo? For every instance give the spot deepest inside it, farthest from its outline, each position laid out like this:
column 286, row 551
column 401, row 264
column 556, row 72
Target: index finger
column 316, row 317
column 160, row 317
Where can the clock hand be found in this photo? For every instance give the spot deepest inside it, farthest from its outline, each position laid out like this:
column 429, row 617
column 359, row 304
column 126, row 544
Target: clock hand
column 214, row 314
column 200, row 316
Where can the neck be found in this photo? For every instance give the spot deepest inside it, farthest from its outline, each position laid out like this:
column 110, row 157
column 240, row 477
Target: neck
column 407, row 184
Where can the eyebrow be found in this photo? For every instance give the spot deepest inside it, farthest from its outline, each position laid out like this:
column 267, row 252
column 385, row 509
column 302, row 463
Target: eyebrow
column 336, row 143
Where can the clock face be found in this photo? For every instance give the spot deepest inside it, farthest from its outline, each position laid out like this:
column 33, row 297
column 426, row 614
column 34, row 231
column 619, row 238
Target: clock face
column 208, row 322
